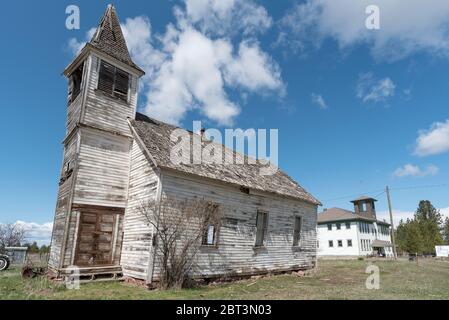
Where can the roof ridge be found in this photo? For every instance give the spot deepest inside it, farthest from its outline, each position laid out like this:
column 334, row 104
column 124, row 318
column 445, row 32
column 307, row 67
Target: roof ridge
column 196, row 134
column 151, row 135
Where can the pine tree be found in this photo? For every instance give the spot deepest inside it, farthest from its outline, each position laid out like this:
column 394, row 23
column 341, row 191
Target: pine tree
column 429, row 221
column 414, row 238
column 401, row 235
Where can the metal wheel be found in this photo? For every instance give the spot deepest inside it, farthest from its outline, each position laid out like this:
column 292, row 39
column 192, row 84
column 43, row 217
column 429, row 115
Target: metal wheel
column 4, row 263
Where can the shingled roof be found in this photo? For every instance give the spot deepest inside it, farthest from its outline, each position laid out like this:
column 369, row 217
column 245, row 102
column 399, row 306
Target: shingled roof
column 156, row 137
column 363, row 198
column 109, row 38
column 338, row 214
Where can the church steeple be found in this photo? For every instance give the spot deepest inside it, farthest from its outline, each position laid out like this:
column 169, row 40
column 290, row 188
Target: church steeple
column 107, row 40
column 93, row 188
column 109, row 37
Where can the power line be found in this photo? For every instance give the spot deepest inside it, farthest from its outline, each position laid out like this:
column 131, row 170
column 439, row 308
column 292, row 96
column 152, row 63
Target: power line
column 421, row 187
column 356, row 195
column 382, row 191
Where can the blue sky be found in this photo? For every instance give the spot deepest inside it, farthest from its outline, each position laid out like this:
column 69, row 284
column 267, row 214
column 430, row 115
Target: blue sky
column 356, row 109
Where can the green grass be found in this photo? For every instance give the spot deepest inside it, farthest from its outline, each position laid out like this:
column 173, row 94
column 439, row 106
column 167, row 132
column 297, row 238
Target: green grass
column 339, row 279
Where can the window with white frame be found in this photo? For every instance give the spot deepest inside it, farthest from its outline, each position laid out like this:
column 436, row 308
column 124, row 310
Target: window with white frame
column 210, row 235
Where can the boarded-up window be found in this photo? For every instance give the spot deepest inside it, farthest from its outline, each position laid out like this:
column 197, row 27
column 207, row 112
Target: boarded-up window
column 297, row 231
column 75, row 82
column 210, row 235
column 261, row 227
column 113, row 81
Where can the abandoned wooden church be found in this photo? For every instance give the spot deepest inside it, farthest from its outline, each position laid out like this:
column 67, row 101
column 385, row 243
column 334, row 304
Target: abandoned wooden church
column 115, row 158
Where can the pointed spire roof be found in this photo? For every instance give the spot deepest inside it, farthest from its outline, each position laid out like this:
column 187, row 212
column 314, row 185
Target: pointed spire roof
column 109, row 38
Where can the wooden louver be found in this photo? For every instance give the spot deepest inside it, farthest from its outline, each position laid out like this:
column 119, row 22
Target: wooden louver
column 113, row 81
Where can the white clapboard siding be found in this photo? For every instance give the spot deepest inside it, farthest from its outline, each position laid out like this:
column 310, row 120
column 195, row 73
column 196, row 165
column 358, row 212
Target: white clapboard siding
column 108, row 112
column 235, row 253
column 103, row 168
column 62, row 204
column 73, row 113
column 137, row 236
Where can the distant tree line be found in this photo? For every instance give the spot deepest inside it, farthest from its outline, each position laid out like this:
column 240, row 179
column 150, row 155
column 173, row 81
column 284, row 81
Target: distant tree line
column 34, row 248
column 426, row 230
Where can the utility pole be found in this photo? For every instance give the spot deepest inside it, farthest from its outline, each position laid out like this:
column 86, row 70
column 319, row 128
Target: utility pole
column 387, row 190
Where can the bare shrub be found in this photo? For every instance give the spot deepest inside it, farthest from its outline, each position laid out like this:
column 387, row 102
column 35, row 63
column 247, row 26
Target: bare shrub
column 180, row 225
column 11, row 235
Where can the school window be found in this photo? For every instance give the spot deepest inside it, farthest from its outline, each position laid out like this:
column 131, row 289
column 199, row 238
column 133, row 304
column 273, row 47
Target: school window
column 338, row 226
column 348, row 225
column 210, row 236
column 331, row 244
column 362, row 207
column 349, row 243
column 261, row 228
column 113, row 81
column 329, row 227
column 340, row 243
column 297, row 231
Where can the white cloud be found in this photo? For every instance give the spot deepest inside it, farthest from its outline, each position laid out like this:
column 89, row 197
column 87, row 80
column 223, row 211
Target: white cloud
column 222, row 17
column 319, row 101
column 137, row 32
column 41, row 233
column 192, row 77
column 251, row 69
column 445, row 212
column 75, row 46
column 370, row 89
column 404, row 215
column 410, row 170
column 197, row 60
column 398, row 215
column 405, row 28
column 433, row 141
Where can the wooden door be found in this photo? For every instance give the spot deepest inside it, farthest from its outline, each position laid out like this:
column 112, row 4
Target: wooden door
column 95, row 240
